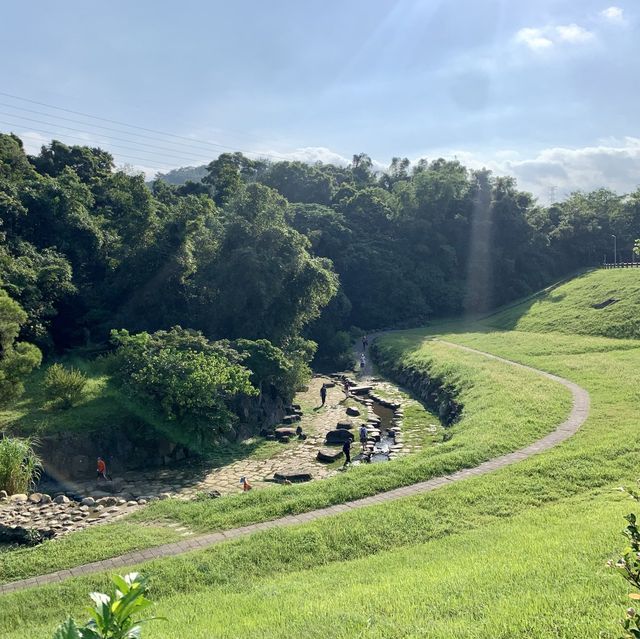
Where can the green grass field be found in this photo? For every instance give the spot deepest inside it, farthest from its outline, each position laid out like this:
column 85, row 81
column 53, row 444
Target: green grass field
column 495, row 422
column 518, row 553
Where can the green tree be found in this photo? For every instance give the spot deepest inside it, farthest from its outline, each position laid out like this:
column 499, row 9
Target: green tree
column 190, row 380
column 17, row 359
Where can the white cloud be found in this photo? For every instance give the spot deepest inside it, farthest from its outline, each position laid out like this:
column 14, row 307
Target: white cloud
column 32, row 141
column 613, row 14
column 573, row 33
column 309, row 154
column 533, row 38
column 543, row 38
column 612, row 163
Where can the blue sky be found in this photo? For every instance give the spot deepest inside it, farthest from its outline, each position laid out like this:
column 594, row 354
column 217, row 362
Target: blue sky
column 546, row 91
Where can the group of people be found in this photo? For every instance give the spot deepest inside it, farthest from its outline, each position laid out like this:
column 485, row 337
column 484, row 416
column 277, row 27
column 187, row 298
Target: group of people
column 346, row 447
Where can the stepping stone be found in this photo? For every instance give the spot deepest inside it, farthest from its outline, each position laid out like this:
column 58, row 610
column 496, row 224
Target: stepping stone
column 290, row 419
column 360, row 390
column 338, row 436
column 293, row 475
column 329, row 455
column 285, row 431
column 352, row 411
column 345, row 425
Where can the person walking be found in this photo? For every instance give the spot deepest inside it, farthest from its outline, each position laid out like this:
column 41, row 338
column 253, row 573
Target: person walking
column 363, row 436
column 323, row 394
column 246, row 486
column 363, row 361
column 346, row 449
column 364, row 343
column 102, row 469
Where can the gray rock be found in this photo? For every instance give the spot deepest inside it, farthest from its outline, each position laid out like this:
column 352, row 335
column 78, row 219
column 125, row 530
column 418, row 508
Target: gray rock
column 18, row 497
column 45, row 499
column 352, row 411
column 88, row 501
column 61, row 499
column 345, row 425
column 338, row 436
column 328, row 455
column 3, row 494
column 164, row 496
column 292, row 475
column 285, row 431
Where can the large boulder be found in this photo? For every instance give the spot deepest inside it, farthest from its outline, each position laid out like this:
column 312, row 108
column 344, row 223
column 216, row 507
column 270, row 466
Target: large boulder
column 328, row 455
column 352, row 411
column 339, row 436
column 345, row 425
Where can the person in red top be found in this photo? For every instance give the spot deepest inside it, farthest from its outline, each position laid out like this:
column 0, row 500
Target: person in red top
column 102, row 469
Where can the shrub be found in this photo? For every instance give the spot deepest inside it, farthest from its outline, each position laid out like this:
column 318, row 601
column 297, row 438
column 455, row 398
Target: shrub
column 190, row 379
column 19, row 465
column 113, row 616
column 64, row 387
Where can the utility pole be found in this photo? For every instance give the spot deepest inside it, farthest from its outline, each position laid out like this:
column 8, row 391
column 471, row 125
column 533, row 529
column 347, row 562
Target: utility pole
column 615, row 249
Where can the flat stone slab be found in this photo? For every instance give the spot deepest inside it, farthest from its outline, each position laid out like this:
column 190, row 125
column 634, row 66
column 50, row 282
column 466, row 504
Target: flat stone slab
column 290, row 419
column 293, row 475
column 360, row 390
column 328, row 455
column 285, row 431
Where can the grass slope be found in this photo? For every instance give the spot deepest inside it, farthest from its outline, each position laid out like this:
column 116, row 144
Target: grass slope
column 495, row 421
column 568, row 308
column 518, row 553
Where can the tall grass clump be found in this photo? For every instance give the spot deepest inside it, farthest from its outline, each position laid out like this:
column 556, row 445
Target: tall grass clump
column 64, row 387
column 19, row 465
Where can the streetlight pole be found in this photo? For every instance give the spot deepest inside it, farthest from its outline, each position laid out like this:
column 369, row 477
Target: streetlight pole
column 615, row 249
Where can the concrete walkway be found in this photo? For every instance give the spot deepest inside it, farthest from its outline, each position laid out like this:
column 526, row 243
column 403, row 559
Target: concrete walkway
column 577, row 417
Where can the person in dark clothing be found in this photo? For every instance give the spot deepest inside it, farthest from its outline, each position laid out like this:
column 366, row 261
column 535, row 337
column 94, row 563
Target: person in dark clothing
column 323, row 394
column 346, row 449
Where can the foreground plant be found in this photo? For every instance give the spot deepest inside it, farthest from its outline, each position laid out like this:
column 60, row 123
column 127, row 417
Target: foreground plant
column 19, row 465
column 113, row 616
column 629, row 567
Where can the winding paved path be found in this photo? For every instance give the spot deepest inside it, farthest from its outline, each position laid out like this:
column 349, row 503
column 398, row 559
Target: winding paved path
column 577, row 417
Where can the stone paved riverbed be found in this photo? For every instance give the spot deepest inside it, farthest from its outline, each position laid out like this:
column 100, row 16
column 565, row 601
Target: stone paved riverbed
column 298, row 458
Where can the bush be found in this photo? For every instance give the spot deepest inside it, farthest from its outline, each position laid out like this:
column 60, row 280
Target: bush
column 64, row 387
column 19, row 465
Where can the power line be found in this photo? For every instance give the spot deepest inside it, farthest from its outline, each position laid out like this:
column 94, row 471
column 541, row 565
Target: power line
column 68, row 135
column 75, row 121
column 141, row 128
column 110, row 137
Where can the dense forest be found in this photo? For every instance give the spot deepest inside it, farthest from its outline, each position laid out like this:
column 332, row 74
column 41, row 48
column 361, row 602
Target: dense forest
column 269, row 264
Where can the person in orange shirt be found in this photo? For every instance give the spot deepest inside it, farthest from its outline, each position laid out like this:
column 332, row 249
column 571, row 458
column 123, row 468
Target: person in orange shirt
column 102, row 469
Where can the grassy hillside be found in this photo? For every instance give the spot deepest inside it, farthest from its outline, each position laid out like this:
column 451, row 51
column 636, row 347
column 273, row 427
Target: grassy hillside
column 517, row 553
column 569, row 308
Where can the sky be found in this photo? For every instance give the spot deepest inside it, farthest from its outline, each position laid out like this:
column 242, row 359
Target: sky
column 546, row 91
